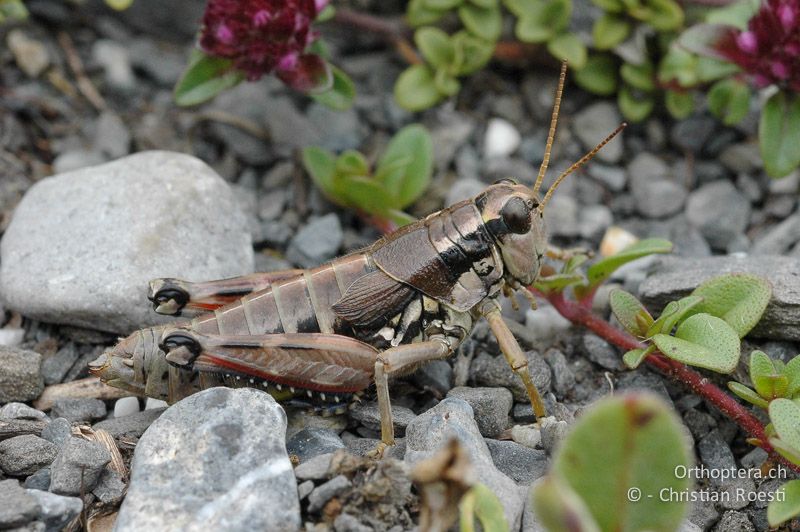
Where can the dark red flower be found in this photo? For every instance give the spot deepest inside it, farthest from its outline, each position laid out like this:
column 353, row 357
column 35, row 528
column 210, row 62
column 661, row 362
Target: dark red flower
column 769, row 50
column 266, row 36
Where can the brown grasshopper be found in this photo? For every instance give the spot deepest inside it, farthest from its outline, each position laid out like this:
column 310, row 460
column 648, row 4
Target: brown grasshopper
column 322, row 336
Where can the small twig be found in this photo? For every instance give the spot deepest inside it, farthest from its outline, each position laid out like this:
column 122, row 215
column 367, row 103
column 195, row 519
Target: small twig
column 391, row 30
column 76, row 65
column 239, row 122
column 88, row 387
column 702, row 386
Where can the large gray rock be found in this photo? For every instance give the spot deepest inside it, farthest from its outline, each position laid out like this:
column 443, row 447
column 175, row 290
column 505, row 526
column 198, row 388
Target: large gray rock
column 676, row 277
column 82, row 246
column 453, row 418
column 215, row 460
column 20, row 378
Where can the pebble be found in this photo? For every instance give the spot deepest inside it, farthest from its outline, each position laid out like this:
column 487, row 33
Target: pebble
column 789, row 184
column 314, row 468
column 523, row 464
column 733, row 521
column 325, row 492
column 449, row 134
column 110, row 489
column 115, row 61
column 56, row 510
column 24, row 455
column 553, row 432
column 645, row 381
column 719, row 211
column 563, row 379
column 159, row 61
column 602, row 353
column 593, row 221
column 211, row 480
column 692, row 133
column 779, row 238
column 561, row 217
column 56, row 367
column 676, row 277
column 527, row 435
column 494, row 371
column 289, row 128
column 703, row 514
column 655, row 194
column 11, row 337
column 245, row 103
column 20, row 411
column 545, row 323
column 742, row 157
column 715, row 454
column 594, row 123
column 31, row 55
column 464, row 188
column 368, row 414
column 19, row 506
column 111, row 137
column 612, row 177
column 436, row 376
column 734, row 492
column 304, row 488
column 317, row 242
column 80, row 250
column 490, row 406
column 454, row 418
column 312, row 442
column 126, row 406
column 76, row 160
column 79, row 409
column 338, row 130
column 501, row 138
column 20, row 377
column 39, row 480
column 58, row 431
column 78, row 466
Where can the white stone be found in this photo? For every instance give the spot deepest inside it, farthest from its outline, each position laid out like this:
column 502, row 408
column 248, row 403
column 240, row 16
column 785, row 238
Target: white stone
column 502, row 138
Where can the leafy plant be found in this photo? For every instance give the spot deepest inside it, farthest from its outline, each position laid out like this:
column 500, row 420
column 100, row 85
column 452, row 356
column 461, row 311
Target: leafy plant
column 12, row 10
column 400, row 176
column 613, row 466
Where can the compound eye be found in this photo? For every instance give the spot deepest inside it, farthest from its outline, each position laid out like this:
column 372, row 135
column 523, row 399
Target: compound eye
column 517, row 215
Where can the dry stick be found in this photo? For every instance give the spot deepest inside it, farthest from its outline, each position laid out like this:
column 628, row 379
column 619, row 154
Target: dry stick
column 580, row 314
column 84, row 83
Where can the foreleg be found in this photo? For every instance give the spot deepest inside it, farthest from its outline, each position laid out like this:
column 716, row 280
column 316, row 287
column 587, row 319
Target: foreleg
column 173, row 296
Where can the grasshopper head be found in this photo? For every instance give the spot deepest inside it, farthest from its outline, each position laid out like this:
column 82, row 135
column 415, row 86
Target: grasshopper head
column 511, row 214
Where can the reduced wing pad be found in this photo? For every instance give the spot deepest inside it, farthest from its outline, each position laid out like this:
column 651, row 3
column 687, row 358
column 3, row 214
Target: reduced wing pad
column 372, row 300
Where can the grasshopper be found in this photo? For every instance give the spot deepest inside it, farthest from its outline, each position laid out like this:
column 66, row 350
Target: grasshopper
column 320, row 337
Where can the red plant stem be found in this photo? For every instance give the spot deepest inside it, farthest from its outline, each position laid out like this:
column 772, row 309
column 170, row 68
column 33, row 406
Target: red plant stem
column 579, row 313
column 394, row 31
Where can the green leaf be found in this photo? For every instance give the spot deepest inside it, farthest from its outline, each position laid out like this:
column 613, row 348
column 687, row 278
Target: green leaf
column 412, row 143
column 768, row 381
column 445, row 83
column 641, row 77
column 557, row 282
column 482, row 503
column 542, row 20
column 630, row 313
column 341, row 94
column 418, row 14
column 602, row 269
column 729, row 100
column 672, row 314
column 435, row 46
column 366, row 194
column 621, row 443
column 785, row 417
column 521, row 7
column 792, row 372
column 12, row 10
column 612, row 6
column 598, row 75
column 486, row 4
column 609, row 30
column 633, row 358
column 705, row 39
column 709, row 69
column 119, row 5
column 568, row 47
column 321, row 166
column 663, row 15
column 474, row 52
column 785, row 450
column 778, row 131
column 680, row 104
column 635, row 107
column 704, row 341
column 678, row 65
column 739, row 298
column 415, row 89
column 352, row 163
column 204, row 78
column 399, row 217
column 557, row 507
column 481, row 22
column 785, row 505
column 442, row 5
column 747, row 394
column 326, row 14
column 736, row 14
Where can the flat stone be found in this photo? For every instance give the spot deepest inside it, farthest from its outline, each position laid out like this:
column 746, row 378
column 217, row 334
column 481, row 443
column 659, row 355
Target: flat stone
column 315, row 468
column 215, row 460
column 490, row 406
column 20, row 378
column 325, row 492
column 21, row 411
column 312, row 442
column 58, row 431
column 79, row 409
column 56, row 510
column 677, row 277
column 82, row 246
column 593, row 123
column 719, row 211
column 24, row 455
column 317, row 242
column 18, row 507
column 494, row 371
column 521, row 463
column 453, row 418
column 368, row 414
column 78, row 466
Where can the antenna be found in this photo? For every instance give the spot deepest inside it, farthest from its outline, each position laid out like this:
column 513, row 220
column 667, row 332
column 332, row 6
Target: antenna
column 580, row 163
column 552, row 133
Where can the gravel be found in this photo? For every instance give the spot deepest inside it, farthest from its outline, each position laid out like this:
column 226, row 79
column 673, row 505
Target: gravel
column 490, row 406
column 325, row 492
column 24, row 455
column 78, row 466
column 494, row 371
column 19, row 507
column 79, row 409
column 317, row 242
column 312, row 442
column 211, row 480
column 21, row 411
column 58, row 431
column 20, row 377
column 719, row 211
column 593, row 123
column 56, row 510
column 521, row 463
column 80, row 251
column 715, row 454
